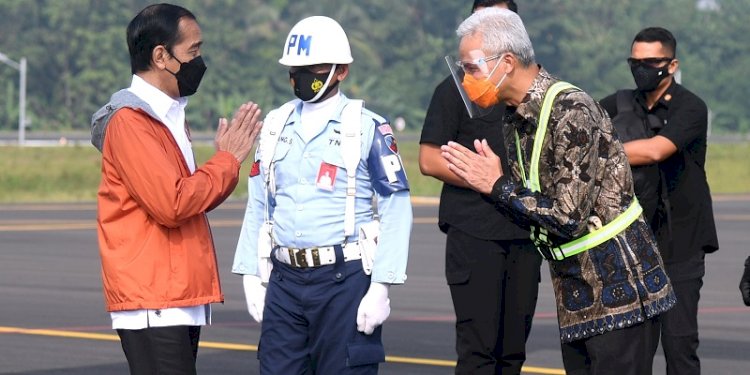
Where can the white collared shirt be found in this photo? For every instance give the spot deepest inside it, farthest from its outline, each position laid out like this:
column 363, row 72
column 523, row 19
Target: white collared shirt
column 172, row 114
column 314, row 116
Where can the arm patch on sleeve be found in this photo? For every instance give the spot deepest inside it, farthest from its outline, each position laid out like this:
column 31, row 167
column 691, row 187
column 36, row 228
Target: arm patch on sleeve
column 387, row 173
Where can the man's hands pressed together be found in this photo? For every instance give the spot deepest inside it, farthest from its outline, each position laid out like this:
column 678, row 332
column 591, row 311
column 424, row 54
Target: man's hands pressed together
column 480, row 169
column 239, row 136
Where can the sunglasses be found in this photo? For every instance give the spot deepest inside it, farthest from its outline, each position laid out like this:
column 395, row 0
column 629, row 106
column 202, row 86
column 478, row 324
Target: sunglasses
column 650, row 61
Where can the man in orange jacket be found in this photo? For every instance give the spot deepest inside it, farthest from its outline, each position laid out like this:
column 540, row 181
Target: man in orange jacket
column 158, row 260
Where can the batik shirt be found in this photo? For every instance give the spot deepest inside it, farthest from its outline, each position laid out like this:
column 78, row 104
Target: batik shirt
column 585, row 178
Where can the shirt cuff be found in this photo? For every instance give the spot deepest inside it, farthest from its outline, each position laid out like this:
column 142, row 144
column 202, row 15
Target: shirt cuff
column 502, row 189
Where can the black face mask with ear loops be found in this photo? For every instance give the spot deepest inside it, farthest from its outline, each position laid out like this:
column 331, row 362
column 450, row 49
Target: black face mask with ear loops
column 647, row 77
column 190, row 75
column 308, row 85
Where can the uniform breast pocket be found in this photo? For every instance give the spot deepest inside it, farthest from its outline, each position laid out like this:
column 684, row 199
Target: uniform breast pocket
column 281, row 171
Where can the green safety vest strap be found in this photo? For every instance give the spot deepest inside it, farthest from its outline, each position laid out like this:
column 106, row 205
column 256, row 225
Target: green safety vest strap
column 591, row 240
column 601, row 235
column 541, row 130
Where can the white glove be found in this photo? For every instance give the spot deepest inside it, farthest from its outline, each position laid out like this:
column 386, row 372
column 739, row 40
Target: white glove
column 374, row 308
column 255, row 295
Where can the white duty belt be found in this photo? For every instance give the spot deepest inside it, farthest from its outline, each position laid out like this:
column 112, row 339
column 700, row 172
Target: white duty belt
column 316, row 256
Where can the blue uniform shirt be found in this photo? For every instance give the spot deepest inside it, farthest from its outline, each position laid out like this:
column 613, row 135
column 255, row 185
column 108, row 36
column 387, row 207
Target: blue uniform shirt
column 308, row 212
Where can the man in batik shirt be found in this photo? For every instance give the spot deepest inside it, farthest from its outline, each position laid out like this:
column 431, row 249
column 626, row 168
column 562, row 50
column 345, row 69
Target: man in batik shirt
column 570, row 183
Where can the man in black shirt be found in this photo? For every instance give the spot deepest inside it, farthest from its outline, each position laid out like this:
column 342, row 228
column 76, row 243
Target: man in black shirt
column 491, row 266
column 679, row 149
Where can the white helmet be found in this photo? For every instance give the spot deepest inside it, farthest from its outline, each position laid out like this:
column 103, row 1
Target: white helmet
column 316, row 40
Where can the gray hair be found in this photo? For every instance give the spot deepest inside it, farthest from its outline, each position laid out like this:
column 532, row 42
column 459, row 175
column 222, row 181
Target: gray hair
column 502, row 31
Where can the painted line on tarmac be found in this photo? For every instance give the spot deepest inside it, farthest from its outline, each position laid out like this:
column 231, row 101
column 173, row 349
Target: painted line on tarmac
column 36, row 226
column 237, row 204
column 49, row 207
column 91, row 206
column 15, row 226
column 245, row 347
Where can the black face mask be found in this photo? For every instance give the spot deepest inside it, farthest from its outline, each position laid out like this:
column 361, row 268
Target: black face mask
column 189, row 76
column 308, row 85
column 647, row 78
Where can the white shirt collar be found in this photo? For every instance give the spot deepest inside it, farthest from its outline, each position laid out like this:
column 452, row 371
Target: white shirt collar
column 314, row 117
column 160, row 102
column 170, row 112
column 324, row 105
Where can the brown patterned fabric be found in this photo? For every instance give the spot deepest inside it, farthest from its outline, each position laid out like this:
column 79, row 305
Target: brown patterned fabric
column 585, row 177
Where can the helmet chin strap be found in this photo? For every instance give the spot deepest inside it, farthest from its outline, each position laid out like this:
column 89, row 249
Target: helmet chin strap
column 325, row 86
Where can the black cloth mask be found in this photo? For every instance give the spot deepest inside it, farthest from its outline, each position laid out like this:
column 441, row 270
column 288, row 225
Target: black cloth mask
column 308, row 85
column 647, row 78
column 189, row 76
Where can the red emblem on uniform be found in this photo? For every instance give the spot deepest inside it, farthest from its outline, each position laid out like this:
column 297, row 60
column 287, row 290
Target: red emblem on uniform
column 390, row 141
column 255, row 170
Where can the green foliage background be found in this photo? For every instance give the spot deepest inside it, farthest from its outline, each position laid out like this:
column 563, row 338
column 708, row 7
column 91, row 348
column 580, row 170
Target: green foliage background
column 70, row 174
column 78, row 56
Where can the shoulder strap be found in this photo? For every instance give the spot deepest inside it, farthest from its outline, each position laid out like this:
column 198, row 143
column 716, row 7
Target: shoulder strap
column 541, row 131
column 272, row 127
column 624, row 101
column 351, row 148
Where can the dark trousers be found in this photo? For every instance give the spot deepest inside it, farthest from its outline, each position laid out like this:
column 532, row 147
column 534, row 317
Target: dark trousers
column 679, row 329
column 161, row 350
column 628, row 351
column 494, row 287
column 309, row 322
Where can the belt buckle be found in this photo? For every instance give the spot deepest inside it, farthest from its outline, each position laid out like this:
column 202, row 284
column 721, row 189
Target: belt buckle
column 300, row 258
column 316, row 256
column 292, row 257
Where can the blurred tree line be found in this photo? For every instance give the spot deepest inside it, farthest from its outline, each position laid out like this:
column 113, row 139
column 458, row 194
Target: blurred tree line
column 77, row 53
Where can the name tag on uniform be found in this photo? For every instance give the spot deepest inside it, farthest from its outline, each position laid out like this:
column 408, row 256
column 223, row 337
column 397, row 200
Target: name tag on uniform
column 326, row 176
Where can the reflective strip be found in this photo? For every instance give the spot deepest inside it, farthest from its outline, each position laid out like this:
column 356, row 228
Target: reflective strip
column 591, row 240
column 541, row 131
column 532, row 182
column 601, row 235
column 520, row 161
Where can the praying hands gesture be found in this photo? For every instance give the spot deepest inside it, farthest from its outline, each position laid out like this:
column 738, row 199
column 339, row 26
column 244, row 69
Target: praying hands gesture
column 480, row 169
column 238, row 136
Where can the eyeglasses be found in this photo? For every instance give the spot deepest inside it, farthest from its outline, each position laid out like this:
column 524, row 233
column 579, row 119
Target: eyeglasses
column 477, row 65
column 650, row 61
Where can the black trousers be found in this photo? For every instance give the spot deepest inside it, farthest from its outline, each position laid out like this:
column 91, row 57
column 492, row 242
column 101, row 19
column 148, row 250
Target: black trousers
column 679, row 329
column 161, row 350
column 628, row 351
column 494, row 287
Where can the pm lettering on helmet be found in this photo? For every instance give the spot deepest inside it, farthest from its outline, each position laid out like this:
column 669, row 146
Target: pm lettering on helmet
column 302, row 42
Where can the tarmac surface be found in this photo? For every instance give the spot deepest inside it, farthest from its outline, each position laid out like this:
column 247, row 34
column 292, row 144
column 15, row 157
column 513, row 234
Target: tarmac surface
column 52, row 318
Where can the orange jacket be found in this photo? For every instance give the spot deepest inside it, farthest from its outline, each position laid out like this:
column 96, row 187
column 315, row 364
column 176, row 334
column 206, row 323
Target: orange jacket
column 154, row 240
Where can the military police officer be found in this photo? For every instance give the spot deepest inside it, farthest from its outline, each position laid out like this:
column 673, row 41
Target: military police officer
column 319, row 280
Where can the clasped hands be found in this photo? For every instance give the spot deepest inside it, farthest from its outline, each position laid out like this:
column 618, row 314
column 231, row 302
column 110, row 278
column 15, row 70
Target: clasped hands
column 238, row 136
column 480, row 169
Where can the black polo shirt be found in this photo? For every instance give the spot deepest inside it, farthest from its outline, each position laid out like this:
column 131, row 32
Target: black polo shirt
column 465, row 209
column 685, row 118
